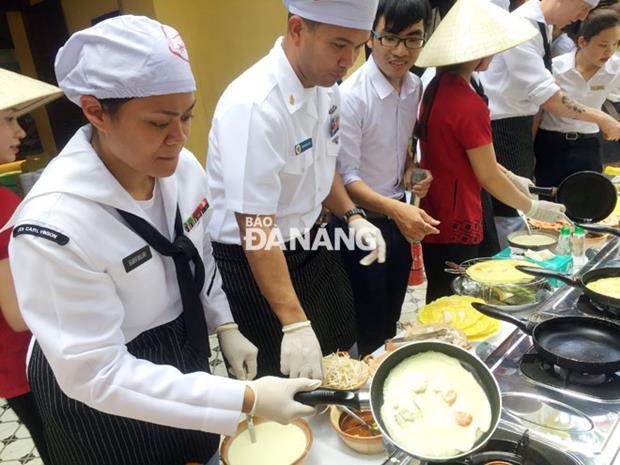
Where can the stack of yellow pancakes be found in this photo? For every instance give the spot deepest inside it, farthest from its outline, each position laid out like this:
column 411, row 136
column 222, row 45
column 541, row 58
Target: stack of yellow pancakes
column 456, row 310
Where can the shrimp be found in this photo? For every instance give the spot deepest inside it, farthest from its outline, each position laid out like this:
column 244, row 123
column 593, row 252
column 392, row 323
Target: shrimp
column 463, row 418
column 449, row 397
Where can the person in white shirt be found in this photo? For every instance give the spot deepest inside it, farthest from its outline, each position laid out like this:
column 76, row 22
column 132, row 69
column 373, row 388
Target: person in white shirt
column 114, row 273
column 376, row 161
column 271, row 168
column 564, row 145
column 519, row 82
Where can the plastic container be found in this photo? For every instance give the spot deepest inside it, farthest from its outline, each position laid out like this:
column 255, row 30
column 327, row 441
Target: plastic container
column 564, row 242
column 579, row 242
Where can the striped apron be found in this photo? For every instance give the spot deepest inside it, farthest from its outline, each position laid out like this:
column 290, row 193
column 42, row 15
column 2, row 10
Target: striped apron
column 514, row 148
column 322, row 287
column 80, row 435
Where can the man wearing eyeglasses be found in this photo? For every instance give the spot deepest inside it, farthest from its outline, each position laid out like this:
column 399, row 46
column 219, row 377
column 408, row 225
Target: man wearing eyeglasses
column 379, row 107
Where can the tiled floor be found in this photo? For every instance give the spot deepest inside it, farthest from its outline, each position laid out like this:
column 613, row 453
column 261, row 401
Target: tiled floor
column 16, row 447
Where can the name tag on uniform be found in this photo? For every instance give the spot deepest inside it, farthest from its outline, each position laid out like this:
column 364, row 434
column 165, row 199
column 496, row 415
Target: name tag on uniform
column 40, row 231
column 139, row 257
column 597, row 88
column 303, row 146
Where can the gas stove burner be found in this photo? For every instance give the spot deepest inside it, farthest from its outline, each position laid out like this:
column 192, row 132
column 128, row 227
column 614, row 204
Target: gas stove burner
column 572, row 377
column 597, row 387
column 588, row 307
column 513, row 449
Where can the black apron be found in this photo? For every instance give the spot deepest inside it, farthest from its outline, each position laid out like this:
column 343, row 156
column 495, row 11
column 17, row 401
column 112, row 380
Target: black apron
column 323, row 288
column 512, row 139
column 80, row 435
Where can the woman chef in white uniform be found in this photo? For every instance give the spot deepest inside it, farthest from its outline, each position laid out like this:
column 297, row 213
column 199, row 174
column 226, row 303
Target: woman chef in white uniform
column 114, row 272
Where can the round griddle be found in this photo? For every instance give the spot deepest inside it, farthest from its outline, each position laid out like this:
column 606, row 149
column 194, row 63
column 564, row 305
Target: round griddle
column 587, row 195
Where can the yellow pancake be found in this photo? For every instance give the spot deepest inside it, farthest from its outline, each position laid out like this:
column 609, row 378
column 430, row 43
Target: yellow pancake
column 500, row 271
column 455, row 310
column 609, row 287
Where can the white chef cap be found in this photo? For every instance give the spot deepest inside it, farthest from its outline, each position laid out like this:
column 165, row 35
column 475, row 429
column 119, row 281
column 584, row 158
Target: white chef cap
column 356, row 14
column 123, row 57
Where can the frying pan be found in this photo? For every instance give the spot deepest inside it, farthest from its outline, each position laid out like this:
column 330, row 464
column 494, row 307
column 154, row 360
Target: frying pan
column 579, row 344
column 600, row 228
column 588, row 196
column 361, row 399
column 610, row 304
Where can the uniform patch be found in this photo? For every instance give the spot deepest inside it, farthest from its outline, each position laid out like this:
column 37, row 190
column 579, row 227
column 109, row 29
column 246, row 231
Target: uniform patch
column 40, row 231
column 303, row 146
column 198, row 212
column 597, row 87
column 334, row 121
column 133, row 261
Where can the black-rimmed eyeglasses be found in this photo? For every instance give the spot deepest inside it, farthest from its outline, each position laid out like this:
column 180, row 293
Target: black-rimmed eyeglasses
column 394, row 41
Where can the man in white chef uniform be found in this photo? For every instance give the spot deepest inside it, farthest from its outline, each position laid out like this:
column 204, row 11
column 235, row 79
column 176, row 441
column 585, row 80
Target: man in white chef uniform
column 271, row 168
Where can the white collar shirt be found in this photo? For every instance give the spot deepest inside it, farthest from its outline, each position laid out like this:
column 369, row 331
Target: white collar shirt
column 591, row 93
column 517, row 82
column 376, row 129
column 87, row 298
column 272, row 149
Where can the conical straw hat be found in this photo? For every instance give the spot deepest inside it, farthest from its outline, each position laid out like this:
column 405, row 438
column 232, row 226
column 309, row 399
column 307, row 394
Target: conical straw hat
column 22, row 94
column 471, row 30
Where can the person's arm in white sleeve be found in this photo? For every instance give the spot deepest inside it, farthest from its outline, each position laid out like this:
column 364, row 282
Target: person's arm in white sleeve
column 75, row 314
column 350, row 151
column 237, row 349
column 527, row 71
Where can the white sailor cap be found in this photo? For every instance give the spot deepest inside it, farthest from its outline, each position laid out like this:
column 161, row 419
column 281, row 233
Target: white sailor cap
column 356, row 14
column 124, row 57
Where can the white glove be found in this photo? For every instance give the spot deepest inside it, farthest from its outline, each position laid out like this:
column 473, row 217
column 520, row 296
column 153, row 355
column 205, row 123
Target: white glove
column 301, row 355
column 522, row 184
column 369, row 235
column 239, row 352
column 548, row 212
column 273, row 398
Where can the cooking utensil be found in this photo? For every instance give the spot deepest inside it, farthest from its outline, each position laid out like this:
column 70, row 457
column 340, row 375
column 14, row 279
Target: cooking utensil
column 599, row 228
column 578, row 344
column 352, row 414
column 374, row 398
column 251, row 430
column 527, row 224
column 588, row 196
column 610, row 303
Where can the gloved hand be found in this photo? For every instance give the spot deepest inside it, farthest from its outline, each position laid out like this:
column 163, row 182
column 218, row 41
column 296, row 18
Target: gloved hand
column 369, row 235
column 273, row 398
column 549, row 212
column 239, row 352
column 522, row 184
column 301, row 355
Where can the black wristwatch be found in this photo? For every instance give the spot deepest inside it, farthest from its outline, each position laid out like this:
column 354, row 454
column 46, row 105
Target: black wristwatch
column 354, row 211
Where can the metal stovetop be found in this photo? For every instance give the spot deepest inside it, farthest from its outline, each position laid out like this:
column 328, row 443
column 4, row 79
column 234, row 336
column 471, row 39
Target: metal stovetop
column 573, row 421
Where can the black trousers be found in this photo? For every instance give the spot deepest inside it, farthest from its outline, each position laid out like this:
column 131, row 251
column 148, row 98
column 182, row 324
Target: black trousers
column 378, row 289
column 26, row 410
column 557, row 158
column 77, row 434
column 435, row 257
column 321, row 284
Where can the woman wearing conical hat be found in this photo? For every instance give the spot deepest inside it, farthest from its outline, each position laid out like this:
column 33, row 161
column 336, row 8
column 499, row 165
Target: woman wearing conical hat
column 18, row 95
column 454, row 129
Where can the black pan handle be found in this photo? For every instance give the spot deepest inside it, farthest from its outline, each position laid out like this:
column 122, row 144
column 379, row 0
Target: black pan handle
column 323, row 396
column 599, row 228
column 550, row 191
column 543, row 273
column 523, row 324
